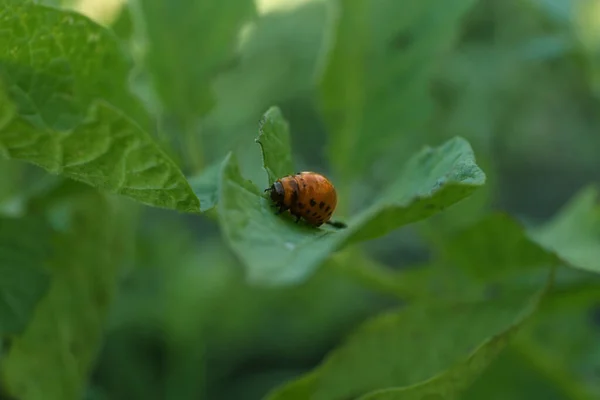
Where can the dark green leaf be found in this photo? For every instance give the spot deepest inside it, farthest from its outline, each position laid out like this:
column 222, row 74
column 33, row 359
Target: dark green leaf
column 276, row 250
column 514, row 376
column 495, row 246
column 274, row 141
column 417, row 353
column 53, row 358
column 562, row 344
column 574, row 234
column 375, row 84
column 24, row 248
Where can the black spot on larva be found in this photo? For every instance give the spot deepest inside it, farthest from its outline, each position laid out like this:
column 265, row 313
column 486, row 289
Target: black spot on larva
column 304, row 185
column 307, row 212
column 313, row 202
column 329, row 213
column 314, row 214
column 321, row 205
column 300, row 205
column 327, row 209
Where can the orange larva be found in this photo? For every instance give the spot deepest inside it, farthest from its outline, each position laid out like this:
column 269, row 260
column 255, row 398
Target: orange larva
column 306, row 195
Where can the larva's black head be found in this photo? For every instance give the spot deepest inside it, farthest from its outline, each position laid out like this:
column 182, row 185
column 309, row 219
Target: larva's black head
column 277, row 192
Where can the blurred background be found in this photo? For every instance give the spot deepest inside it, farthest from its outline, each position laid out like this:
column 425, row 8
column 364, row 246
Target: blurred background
column 520, row 79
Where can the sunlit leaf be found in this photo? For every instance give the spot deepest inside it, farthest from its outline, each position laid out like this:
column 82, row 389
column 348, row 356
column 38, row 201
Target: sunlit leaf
column 24, row 248
column 416, row 353
column 58, row 63
column 64, row 109
column 275, row 250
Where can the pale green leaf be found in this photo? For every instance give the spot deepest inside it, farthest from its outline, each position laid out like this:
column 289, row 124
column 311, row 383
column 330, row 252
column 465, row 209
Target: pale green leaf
column 375, row 81
column 65, row 106
column 274, row 141
column 24, row 248
column 574, row 233
column 53, row 358
column 275, row 250
column 420, row 352
column 206, row 186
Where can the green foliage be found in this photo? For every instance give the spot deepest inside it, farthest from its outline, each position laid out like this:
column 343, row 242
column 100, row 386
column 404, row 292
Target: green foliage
column 274, row 141
column 54, row 105
column 497, row 383
column 575, row 232
column 57, row 67
column 279, row 251
column 21, row 260
column 416, row 352
column 206, row 186
column 494, row 247
column 376, row 71
column 188, row 43
column 446, row 283
column 54, row 356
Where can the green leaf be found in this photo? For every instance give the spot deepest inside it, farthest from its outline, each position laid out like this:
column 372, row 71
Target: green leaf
column 53, row 358
column 68, row 110
column 107, row 151
column 60, row 62
column 574, row 233
column 514, row 376
column 376, row 74
column 186, row 44
column 24, row 248
column 274, row 141
column 277, row 251
column 496, row 246
column 563, row 346
column 431, row 180
column 189, row 43
column 206, row 186
column 417, row 353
